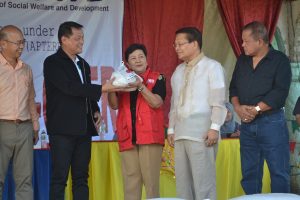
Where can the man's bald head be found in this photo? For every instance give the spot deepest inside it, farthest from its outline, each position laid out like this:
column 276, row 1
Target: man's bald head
column 6, row 30
column 12, row 42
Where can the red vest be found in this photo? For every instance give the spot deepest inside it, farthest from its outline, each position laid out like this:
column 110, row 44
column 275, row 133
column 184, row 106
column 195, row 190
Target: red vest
column 149, row 121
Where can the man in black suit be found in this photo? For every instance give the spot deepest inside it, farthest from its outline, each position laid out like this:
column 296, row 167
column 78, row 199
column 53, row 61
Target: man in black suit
column 72, row 112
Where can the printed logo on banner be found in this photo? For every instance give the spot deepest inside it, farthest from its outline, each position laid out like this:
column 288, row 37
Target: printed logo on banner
column 92, row 6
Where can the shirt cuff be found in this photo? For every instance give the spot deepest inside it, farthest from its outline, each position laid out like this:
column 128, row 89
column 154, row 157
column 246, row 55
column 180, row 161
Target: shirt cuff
column 215, row 127
column 170, row 131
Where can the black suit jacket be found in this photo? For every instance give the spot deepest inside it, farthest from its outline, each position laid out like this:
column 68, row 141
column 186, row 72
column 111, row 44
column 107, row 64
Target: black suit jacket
column 70, row 104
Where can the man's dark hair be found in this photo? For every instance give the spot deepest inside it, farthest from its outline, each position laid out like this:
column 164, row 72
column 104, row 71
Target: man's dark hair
column 193, row 34
column 65, row 29
column 134, row 47
column 258, row 31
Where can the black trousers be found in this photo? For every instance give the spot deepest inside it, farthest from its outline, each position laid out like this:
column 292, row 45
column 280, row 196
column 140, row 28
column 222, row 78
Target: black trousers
column 70, row 151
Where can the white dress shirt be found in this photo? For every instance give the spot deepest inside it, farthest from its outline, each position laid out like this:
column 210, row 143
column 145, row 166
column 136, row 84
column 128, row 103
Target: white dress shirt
column 78, row 69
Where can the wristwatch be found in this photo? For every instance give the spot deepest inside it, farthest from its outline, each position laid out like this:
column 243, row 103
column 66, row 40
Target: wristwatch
column 141, row 88
column 258, row 109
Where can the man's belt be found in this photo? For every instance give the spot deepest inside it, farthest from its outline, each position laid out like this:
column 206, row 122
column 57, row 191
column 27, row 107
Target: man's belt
column 16, row 121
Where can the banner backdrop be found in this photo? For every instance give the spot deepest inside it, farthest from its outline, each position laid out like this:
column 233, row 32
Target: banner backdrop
column 39, row 20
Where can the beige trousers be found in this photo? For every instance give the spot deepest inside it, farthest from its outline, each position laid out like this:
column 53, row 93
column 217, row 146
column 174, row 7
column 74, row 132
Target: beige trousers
column 141, row 165
column 16, row 144
column 195, row 170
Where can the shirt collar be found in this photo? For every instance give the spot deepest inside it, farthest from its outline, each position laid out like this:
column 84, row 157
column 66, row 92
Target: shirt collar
column 76, row 59
column 270, row 53
column 193, row 62
column 62, row 53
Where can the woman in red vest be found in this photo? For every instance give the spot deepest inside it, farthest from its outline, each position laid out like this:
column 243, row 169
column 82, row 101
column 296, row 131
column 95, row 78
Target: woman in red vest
column 140, row 126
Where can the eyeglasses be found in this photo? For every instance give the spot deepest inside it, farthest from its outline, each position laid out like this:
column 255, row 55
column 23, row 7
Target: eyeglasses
column 180, row 44
column 19, row 43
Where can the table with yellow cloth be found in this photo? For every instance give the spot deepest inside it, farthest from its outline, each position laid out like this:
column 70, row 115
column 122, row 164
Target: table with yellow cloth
column 105, row 180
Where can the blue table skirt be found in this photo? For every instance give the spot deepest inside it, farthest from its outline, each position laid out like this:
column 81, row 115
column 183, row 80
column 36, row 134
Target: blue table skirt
column 41, row 177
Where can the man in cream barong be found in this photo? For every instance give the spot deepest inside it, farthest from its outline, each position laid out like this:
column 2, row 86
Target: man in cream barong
column 196, row 115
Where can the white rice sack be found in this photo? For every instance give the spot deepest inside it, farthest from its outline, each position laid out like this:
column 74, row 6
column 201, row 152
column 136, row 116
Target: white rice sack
column 123, row 76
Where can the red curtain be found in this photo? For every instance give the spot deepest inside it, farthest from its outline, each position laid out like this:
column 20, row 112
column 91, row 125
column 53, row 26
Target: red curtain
column 237, row 13
column 153, row 23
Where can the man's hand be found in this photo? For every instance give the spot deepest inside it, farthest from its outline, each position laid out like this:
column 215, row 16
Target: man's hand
column 36, row 136
column 171, row 139
column 211, row 137
column 253, row 111
column 245, row 113
column 36, row 128
column 97, row 116
column 138, row 83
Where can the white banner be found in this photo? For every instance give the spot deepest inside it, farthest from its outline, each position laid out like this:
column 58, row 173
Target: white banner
column 39, row 20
